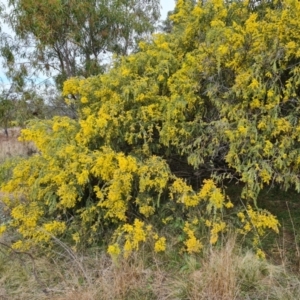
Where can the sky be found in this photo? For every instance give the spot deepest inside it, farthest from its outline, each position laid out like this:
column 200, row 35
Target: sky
column 166, row 5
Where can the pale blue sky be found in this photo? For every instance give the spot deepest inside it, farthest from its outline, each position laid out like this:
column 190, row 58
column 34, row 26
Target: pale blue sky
column 166, row 5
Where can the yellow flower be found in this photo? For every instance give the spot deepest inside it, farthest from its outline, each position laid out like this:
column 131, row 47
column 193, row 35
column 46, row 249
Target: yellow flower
column 147, row 210
column 241, row 215
column 254, row 84
column 55, row 227
column 114, row 250
column 216, row 228
column 260, row 254
column 193, row 245
column 208, row 223
column 160, row 245
column 242, row 130
column 265, row 176
column 268, row 147
column 2, row 229
column 255, row 103
column 229, row 204
column 76, row 237
column 84, row 100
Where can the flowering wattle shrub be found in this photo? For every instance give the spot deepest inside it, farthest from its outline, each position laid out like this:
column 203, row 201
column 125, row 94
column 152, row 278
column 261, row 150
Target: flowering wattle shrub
column 161, row 134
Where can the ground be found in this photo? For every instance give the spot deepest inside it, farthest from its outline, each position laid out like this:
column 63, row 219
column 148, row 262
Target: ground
column 10, row 146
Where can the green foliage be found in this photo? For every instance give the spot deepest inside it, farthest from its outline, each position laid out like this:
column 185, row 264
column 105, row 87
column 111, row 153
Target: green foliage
column 72, row 37
column 16, row 108
column 6, row 111
column 161, row 133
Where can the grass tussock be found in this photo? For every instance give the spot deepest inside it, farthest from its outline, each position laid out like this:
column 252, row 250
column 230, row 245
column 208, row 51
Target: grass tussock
column 217, row 274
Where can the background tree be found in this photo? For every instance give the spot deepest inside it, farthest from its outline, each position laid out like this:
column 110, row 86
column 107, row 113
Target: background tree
column 55, row 40
column 73, row 38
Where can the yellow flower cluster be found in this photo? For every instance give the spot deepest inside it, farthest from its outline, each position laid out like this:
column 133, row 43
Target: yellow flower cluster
column 55, row 227
column 187, row 196
column 160, row 245
column 212, row 194
column 2, row 229
column 262, row 220
column 135, row 234
column 265, row 176
column 268, row 148
column 257, row 222
column 146, row 210
column 215, row 230
column 193, row 245
column 114, row 250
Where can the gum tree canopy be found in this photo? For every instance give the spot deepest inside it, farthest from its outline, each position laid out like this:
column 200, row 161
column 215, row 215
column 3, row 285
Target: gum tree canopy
column 71, row 36
column 54, row 40
column 159, row 135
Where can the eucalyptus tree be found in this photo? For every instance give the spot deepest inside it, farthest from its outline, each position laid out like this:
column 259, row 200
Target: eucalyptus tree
column 49, row 41
column 74, row 37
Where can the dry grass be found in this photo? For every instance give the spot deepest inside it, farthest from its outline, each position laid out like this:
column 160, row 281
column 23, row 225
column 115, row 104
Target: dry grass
column 218, row 277
column 61, row 279
column 223, row 274
column 228, row 274
column 10, row 146
column 125, row 280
